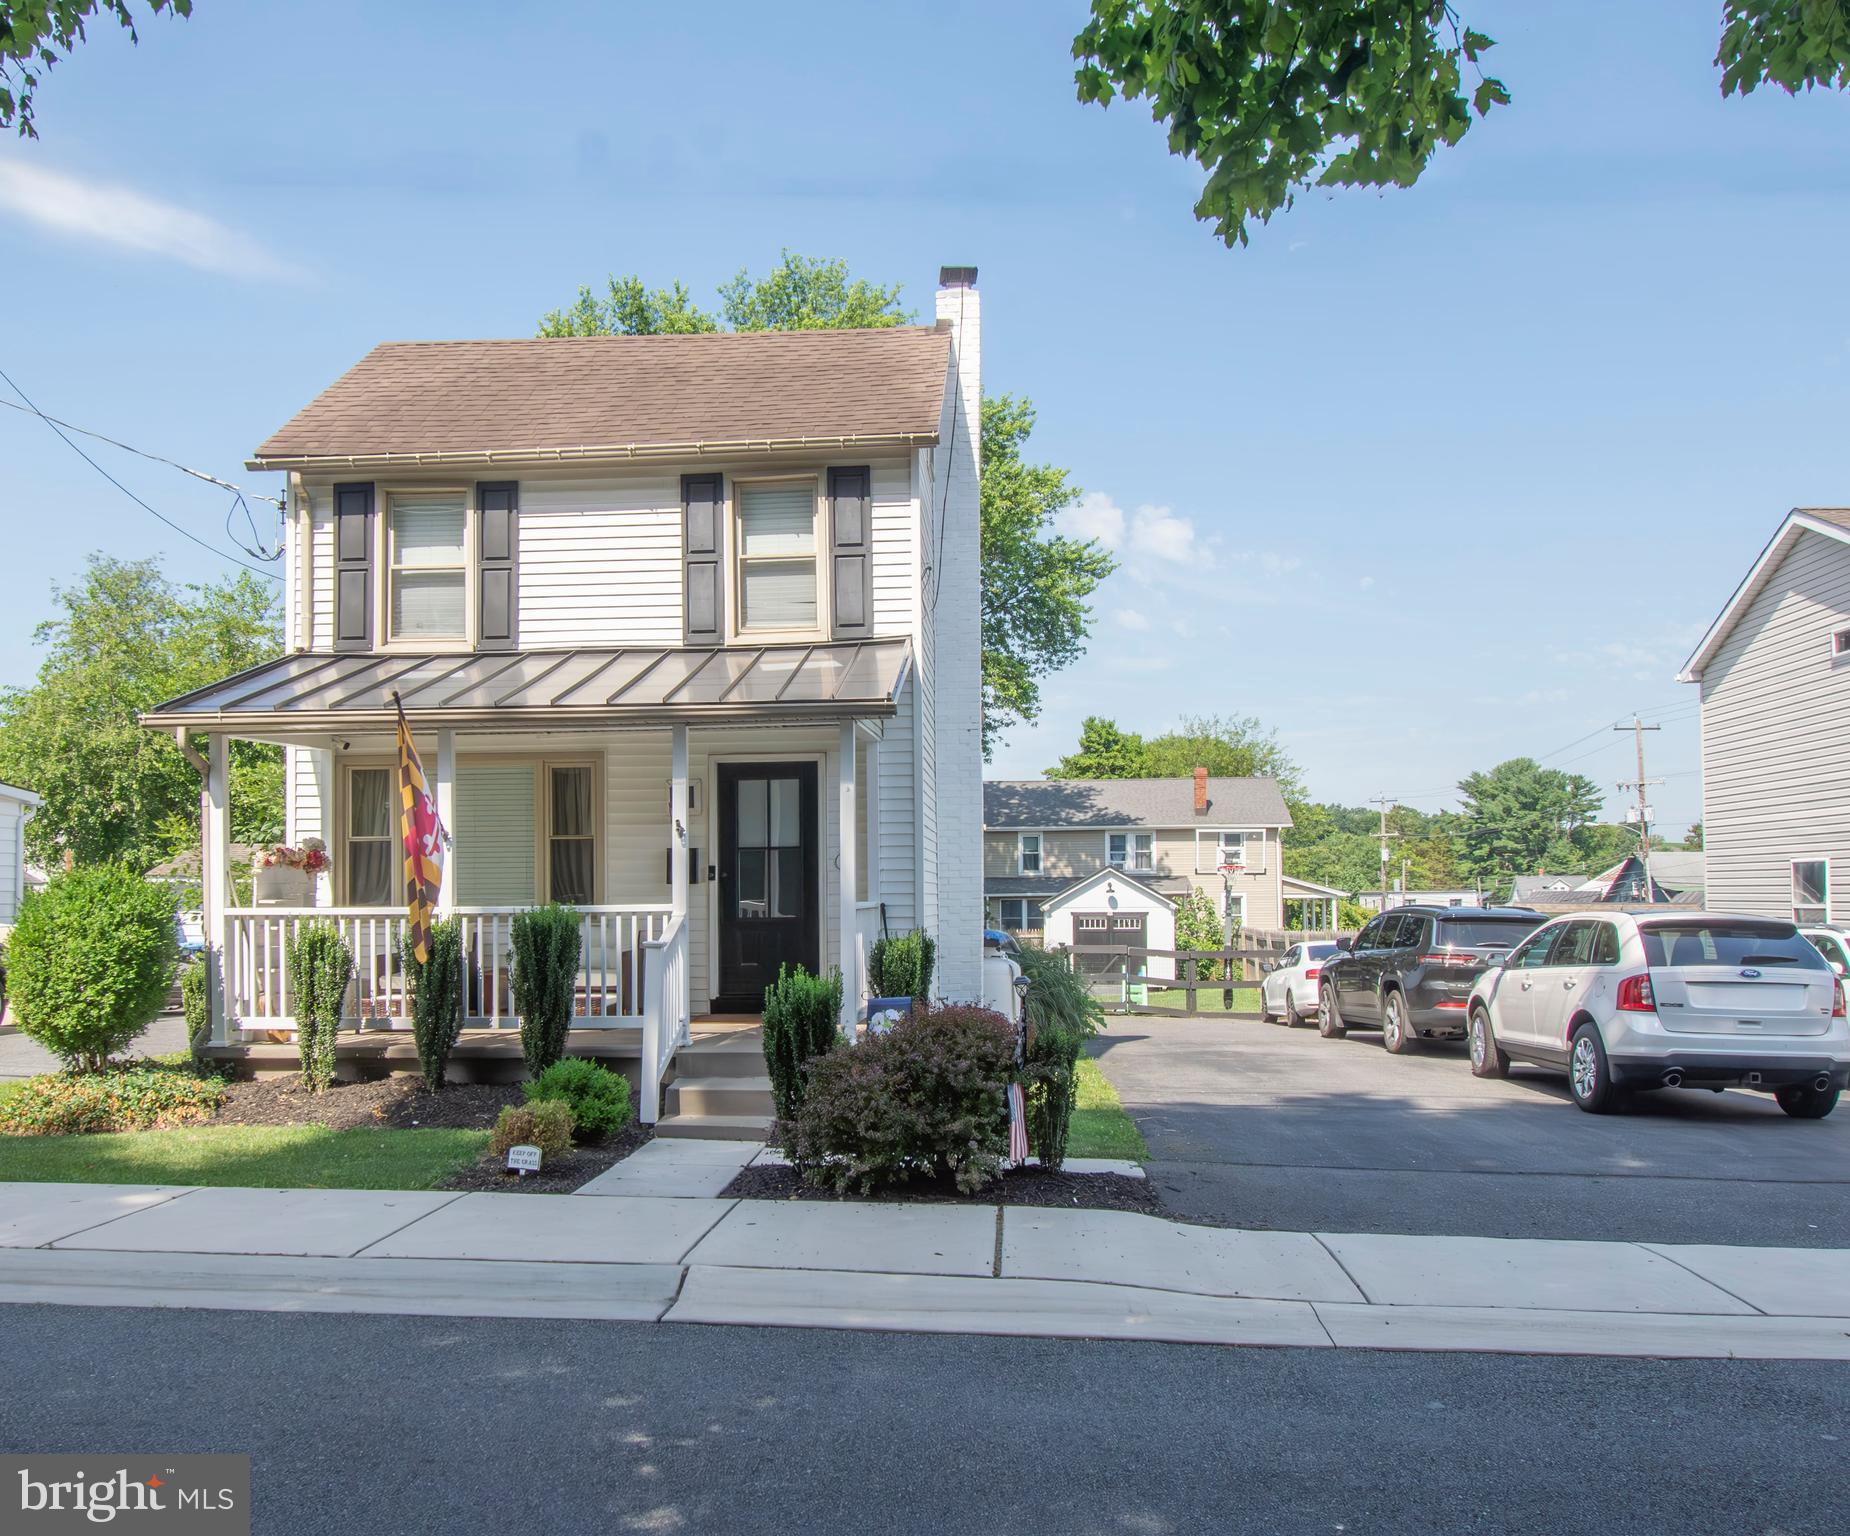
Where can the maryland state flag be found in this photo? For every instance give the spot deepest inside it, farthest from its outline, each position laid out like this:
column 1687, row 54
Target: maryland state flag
column 424, row 837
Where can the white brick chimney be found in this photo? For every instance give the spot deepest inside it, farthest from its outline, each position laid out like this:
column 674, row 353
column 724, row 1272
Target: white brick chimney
column 956, row 626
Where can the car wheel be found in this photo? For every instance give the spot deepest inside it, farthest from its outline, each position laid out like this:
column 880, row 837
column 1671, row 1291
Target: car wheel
column 1803, row 1102
column 1293, row 1019
column 1396, row 1032
column 1266, row 1016
column 1488, row 1059
column 1589, row 1079
column 1329, row 1017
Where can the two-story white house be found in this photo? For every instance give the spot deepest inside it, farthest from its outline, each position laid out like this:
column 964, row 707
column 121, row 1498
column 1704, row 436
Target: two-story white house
column 1774, row 674
column 687, row 631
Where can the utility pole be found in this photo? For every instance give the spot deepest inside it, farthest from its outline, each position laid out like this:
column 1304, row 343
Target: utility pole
column 1386, row 804
column 1638, row 728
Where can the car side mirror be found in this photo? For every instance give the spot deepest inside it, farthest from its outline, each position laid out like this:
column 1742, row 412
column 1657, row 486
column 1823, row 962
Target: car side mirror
column 1345, row 943
column 1268, row 966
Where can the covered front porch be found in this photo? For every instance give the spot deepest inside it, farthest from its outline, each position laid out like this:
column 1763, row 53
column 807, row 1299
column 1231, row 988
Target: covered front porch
column 700, row 850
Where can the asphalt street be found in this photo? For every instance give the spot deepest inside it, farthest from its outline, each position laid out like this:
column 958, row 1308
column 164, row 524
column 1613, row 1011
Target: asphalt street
column 1256, row 1125
column 388, row 1424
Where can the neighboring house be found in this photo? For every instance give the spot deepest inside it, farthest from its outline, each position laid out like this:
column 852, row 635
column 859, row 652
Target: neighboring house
column 1527, row 888
column 16, row 808
column 1676, row 879
column 1113, row 908
column 687, row 629
column 1041, row 837
column 1373, row 902
column 1774, row 675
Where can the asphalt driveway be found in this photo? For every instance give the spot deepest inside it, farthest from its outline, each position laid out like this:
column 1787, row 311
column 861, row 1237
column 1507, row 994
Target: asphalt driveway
column 1256, row 1125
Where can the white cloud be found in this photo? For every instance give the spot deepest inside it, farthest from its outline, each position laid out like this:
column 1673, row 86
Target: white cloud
column 1130, row 618
column 116, row 215
column 1094, row 516
column 1366, row 582
column 1162, row 535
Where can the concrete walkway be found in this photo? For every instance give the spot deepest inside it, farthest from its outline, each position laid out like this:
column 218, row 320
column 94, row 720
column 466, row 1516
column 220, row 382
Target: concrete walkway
column 918, row 1267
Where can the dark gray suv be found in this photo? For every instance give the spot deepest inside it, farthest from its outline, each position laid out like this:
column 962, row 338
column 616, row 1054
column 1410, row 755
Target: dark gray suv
column 1409, row 972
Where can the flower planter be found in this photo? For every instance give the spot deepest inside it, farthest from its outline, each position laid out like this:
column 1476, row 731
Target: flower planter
column 282, row 885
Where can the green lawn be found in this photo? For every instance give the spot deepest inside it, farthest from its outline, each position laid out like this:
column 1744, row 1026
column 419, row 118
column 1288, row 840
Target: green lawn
column 1209, row 998
column 274, row 1157
column 1100, row 1126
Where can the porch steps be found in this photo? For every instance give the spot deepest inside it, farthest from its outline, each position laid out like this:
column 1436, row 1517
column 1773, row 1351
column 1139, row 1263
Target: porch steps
column 719, row 1090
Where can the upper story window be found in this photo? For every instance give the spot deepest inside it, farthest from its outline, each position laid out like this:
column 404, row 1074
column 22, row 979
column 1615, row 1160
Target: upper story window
column 1811, row 891
column 427, row 570
column 777, row 578
column 1132, row 850
column 1213, row 849
column 1028, row 853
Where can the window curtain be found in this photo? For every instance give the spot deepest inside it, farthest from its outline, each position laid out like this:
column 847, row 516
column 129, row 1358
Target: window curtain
column 574, row 840
column 370, row 846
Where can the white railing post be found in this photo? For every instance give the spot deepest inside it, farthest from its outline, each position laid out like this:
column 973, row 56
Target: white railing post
column 648, row 1079
column 845, row 840
column 215, row 859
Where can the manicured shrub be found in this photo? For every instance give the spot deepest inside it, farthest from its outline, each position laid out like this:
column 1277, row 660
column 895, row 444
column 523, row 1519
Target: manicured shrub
column 196, row 1008
column 320, row 966
column 1062, row 1016
column 1198, row 926
column 802, row 1015
column 546, row 1124
column 546, row 944
column 900, row 965
column 436, row 987
column 598, row 1098
column 927, row 1099
column 90, row 962
column 133, row 1097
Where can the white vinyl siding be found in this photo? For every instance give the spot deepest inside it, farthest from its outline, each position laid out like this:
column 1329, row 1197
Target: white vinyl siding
column 1775, row 706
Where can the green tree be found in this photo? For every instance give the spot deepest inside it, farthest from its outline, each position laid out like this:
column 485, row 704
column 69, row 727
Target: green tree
column 1199, row 926
column 1232, row 746
column 1692, row 839
column 1600, row 845
column 1273, row 99
column 1105, row 752
column 1520, row 816
column 1035, row 582
column 35, row 34
column 126, row 639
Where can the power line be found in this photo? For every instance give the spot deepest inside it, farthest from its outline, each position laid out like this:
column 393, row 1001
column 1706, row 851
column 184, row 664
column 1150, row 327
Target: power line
column 185, row 533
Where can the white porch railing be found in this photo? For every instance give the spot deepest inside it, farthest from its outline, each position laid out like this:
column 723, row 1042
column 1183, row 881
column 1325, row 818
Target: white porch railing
column 857, row 976
column 611, row 991
column 666, row 1020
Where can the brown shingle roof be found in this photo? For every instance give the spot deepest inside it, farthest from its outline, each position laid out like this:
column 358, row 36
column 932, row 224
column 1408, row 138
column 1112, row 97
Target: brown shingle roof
column 596, row 396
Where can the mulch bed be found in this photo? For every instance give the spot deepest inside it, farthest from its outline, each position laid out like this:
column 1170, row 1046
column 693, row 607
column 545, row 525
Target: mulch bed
column 560, row 1178
column 1017, row 1186
column 395, row 1103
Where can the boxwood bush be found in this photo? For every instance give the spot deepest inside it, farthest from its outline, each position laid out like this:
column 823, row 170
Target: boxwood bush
column 927, row 1099
column 1062, row 1016
column 598, row 1098
column 546, row 943
column 320, row 967
column 900, row 965
column 546, row 1125
column 90, row 962
column 802, row 1020
column 436, row 987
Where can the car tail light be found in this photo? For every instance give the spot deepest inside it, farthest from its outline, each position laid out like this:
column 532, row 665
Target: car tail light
column 1311, row 973
column 1837, row 999
column 1448, row 957
column 1635, row 995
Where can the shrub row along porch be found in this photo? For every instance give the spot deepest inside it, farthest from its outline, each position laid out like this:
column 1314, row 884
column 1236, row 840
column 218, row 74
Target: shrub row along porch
column 709, row 813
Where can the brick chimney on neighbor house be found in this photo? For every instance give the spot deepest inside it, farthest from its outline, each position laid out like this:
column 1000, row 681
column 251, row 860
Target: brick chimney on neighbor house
column 1201, row 790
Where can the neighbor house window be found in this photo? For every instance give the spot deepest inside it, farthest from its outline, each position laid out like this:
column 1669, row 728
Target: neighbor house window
column 1213, row 849
column 777, row 555
column 1840, row 642
column 1028, row 853
column 427, row 571
column 372, row 837
column 1021, row 915
column 1811, row 891
column 1133, row 850
column 1235, row 912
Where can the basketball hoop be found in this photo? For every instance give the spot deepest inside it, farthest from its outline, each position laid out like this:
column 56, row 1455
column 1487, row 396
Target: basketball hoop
column 1231, row 867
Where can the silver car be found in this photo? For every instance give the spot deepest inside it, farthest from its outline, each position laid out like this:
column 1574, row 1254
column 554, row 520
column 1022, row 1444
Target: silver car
column 1667, row 999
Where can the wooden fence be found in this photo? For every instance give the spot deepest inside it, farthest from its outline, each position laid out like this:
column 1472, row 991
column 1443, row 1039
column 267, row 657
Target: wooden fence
column 1175, row 983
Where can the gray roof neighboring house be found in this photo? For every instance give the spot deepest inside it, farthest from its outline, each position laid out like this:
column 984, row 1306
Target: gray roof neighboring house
column 1525, row 886
column 1029, row 803
column 1046, row 887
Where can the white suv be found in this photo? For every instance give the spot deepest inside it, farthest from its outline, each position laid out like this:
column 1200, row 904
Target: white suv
column 1627, row 1000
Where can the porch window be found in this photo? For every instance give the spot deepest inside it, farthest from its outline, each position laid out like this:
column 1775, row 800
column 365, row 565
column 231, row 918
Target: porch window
column 1028, row 853
column 572, row 855
column 1213, row 849
column 1811, row 891
column 1133, row 850
column 777, row 556
column 427, row 572
column 372, row 840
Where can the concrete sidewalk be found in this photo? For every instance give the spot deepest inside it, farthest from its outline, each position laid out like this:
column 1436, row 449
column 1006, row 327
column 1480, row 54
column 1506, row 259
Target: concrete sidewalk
column 914, row 1267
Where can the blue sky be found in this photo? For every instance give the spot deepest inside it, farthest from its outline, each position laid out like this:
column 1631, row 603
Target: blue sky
column 1425, row 480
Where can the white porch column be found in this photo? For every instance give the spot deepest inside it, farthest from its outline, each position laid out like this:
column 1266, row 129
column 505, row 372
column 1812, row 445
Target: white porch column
column 845, row 840
column 215, row 872
column 446, row 813
column 678, row 828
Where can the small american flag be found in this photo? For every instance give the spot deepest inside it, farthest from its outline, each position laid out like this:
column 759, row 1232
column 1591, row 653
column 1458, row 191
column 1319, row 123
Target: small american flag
column 1018, row 1125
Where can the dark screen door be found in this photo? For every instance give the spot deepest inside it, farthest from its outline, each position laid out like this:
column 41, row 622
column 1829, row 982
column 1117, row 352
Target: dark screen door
column 767, row 878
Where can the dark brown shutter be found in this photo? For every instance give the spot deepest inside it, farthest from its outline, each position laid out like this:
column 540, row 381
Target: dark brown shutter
column 353, row 567
column 704, row 610
column 498, row 507
column 851, row 551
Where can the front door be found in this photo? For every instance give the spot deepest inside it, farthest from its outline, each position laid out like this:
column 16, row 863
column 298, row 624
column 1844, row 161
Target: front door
column 769, row 905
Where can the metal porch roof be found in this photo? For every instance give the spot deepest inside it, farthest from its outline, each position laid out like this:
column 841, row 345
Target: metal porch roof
column 633, row 685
